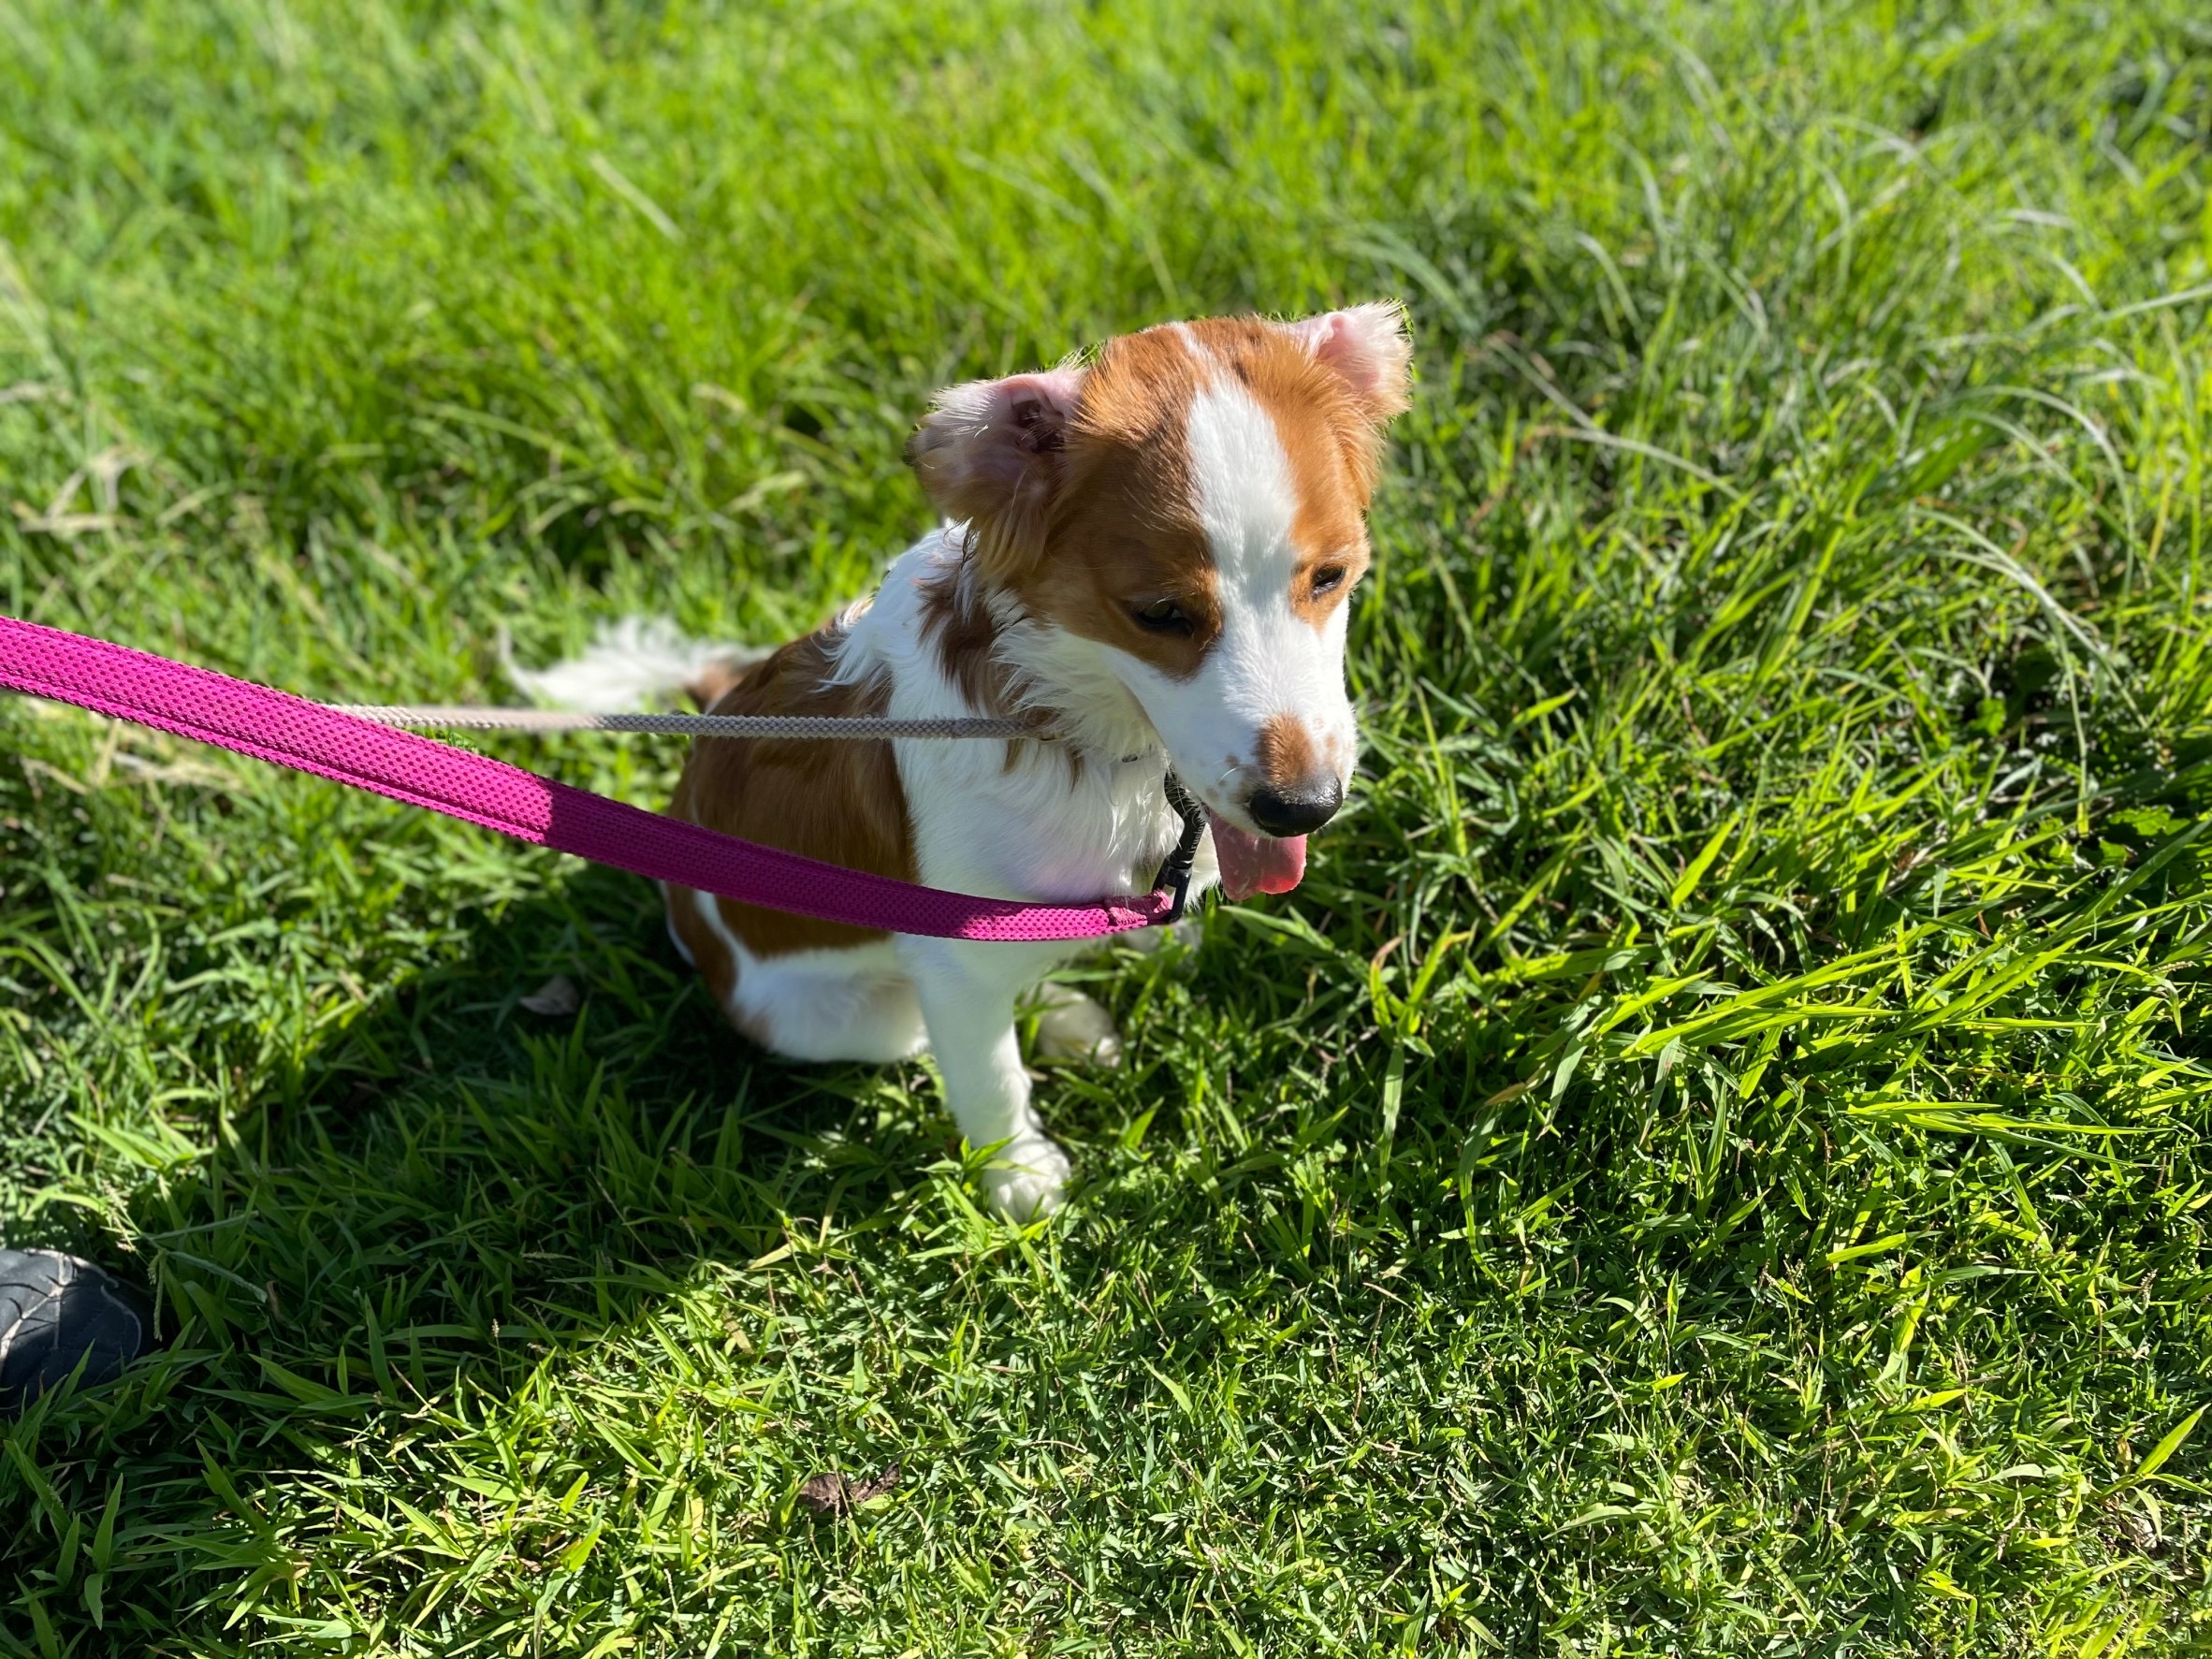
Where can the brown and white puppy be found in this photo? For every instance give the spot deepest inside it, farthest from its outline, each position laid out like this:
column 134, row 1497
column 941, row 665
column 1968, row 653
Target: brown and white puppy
column 1153, row 554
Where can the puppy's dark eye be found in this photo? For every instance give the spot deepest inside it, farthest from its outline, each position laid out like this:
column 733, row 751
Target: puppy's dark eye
column 1328, row 579
column 1162, row 615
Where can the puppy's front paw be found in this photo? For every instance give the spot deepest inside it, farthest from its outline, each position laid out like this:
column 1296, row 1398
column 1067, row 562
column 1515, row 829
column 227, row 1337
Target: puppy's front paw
column 1073, row 1028
column 1025, row 1178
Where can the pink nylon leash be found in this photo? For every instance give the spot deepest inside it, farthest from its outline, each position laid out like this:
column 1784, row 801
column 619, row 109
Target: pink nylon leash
column 288, row 731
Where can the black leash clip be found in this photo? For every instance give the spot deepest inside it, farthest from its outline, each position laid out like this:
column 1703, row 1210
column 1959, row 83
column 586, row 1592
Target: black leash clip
column 1174, row 875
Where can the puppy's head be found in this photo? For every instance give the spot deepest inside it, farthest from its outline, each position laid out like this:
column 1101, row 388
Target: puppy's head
column 1185, row 520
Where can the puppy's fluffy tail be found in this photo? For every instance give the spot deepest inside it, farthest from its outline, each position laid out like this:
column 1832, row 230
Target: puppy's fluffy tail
column 632, row 665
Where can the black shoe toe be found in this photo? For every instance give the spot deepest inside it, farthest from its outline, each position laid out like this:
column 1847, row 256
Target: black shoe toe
column 56, row 1310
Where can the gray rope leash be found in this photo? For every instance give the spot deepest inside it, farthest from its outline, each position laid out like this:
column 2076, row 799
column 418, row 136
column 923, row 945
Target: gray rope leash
column 432, row 717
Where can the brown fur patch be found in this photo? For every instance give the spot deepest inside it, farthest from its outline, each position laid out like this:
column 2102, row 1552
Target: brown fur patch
column 1331, row 439
column 1286, row 752
column 1309, row 401
column 1123, row 530
column 961, row 626
column 715, row 681
column 840, row 802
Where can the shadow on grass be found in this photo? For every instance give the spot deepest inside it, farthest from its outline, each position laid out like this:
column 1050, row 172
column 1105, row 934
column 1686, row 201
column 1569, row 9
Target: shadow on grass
column 452, row 1193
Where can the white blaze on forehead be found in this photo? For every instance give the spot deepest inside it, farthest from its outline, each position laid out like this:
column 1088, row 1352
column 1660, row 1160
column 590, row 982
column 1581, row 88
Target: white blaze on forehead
column 1243, row 490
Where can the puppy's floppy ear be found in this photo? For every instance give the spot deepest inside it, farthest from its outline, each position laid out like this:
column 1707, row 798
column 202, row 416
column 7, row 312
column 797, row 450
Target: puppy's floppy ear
column 1368, row 349
column 989, row 452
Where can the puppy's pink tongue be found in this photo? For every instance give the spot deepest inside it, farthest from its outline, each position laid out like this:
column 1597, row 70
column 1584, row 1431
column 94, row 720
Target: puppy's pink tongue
column 1256, row 863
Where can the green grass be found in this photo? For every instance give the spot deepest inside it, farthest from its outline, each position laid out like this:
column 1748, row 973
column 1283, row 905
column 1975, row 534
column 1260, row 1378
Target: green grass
column 1715, row 1159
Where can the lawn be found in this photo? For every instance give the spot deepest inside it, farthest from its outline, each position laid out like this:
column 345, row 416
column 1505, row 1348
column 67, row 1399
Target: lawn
column 1715, row 1159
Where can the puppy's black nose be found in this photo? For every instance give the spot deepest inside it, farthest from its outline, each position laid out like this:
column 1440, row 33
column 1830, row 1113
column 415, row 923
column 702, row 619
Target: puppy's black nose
column 1297, row 810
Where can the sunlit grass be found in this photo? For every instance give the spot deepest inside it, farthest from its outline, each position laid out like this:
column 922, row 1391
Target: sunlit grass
column 1714, row 1159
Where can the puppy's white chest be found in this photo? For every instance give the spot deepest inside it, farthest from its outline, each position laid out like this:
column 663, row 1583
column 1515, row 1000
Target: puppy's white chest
column 1041, row 829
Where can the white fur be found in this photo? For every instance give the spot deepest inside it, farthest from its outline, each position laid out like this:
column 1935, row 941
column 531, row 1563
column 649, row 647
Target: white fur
column 852, row 1004
column 628, row 664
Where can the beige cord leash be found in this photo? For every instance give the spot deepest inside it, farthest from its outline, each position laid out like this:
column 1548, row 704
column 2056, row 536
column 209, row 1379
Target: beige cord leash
column 433, row 718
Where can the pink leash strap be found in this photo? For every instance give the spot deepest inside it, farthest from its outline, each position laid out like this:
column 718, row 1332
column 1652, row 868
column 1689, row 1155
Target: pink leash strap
column 288, row 731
